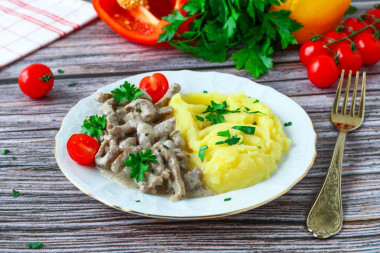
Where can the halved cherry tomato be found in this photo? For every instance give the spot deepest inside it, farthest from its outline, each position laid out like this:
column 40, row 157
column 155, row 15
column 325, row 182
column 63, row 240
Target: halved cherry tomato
column 310, row 49
column 139, row 24
column 323, row 71
column 82, row 148
column 155, row 85
column 36, row 80
column 348, row 59
column 368, row 47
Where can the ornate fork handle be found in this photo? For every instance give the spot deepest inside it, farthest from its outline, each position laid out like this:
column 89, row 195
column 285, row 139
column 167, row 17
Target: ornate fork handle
column 326, row 215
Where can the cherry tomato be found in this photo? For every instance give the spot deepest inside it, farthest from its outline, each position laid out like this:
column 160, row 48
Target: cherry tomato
column 310, row 49
column 348, row 59
column 334, row 35
column 369, row 19
column 82, row 148
column 36, row 80
column 155, row 85
column 368, row 47
column 354, row 24
column 323, row 71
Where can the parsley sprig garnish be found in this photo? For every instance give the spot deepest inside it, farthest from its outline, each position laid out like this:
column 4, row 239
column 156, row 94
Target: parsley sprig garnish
column 94, row 126
column 220, row 26
column 216, row 111
column 5, row 151
column 202, row 152
column 126, row 91
column 288, row 124
column 245, row 129
column 139, row 163
column 230, row 140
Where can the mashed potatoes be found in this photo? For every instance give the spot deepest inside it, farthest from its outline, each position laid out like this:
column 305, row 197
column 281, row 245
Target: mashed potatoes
column 250, row 159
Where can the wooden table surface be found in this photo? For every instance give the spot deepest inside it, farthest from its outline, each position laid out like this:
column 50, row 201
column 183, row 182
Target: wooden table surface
column 53, row 211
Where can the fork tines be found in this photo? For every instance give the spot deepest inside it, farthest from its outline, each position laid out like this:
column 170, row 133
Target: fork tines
column 335, row 106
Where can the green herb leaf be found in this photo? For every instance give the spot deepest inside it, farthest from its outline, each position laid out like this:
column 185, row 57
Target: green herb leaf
column 205, row 91
column 35, row 245
column 259, row 147
column 224, row 133
column 15, row 193
column 220, row 26
column 227, row 199
column 245, row 129
column 126, row 91
column 94, row 126
column 14, row 158
column 351, row 10
column 46, row 78
column 230, row 140
column 199, row 118
column 60, row 71
column 288, row 124
column 139, row 163
column 72, row 84
column 256, row 101
column 202, row 152
column 137, row 201
column 5, row 151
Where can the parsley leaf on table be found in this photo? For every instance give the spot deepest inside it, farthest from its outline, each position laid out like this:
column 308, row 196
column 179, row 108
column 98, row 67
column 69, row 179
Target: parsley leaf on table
column 218, row 26
column 126, row 91
column 15, row 193
column 35, row 245
column 139, row 163
column 5, row 151
column 94, row 126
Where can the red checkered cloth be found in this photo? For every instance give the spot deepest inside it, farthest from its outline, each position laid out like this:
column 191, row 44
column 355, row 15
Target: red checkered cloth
column 27, row 25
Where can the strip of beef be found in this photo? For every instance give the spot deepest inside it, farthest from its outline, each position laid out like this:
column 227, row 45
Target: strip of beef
column 164, row 101
column 176, row 178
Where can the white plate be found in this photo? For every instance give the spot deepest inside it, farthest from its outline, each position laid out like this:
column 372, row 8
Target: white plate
column 292, row 168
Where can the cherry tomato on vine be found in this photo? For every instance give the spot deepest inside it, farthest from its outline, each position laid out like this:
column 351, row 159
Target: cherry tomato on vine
column 323, row 71
column 348, row 59
column 155, row 85
column 82, row 148
column 368, row 47
column 310, row 49
column 36, row 80
column 354, row 24
column 334, row 35
column 369, row 18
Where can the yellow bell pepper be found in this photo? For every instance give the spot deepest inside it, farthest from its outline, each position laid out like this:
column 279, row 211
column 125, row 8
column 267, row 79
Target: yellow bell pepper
column 317, row 16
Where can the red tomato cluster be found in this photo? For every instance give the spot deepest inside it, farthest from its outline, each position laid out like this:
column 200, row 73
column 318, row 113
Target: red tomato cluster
column 353, row 44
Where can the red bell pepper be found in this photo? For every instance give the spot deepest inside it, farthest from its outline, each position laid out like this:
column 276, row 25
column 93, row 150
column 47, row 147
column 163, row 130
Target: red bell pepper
column 139, row 24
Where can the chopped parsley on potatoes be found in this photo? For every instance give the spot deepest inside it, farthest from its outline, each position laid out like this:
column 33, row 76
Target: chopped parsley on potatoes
column 257, row 138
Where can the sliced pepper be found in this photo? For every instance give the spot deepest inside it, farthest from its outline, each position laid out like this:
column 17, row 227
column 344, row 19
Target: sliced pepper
column 139, row 24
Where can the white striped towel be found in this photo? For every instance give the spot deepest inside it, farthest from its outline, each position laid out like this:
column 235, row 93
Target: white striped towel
column 27, row 25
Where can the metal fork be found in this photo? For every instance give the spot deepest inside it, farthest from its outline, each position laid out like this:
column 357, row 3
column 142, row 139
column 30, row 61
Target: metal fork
column 326, row 215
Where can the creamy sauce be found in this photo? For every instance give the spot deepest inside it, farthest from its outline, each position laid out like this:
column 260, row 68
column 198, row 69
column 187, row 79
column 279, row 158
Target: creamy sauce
column 123, row 179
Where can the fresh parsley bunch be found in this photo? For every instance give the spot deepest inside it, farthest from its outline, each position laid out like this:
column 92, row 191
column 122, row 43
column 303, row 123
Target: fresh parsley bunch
column 221, row 25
